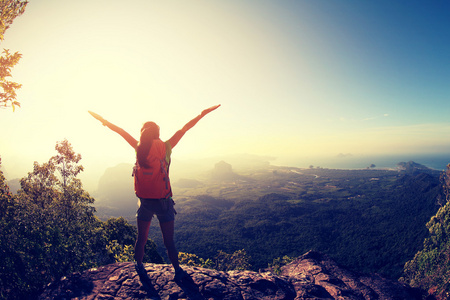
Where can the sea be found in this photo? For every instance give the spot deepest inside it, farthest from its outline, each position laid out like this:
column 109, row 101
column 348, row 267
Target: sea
column 348, row 161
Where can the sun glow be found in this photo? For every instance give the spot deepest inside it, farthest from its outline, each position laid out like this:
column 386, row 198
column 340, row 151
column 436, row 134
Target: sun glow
column 294, row 79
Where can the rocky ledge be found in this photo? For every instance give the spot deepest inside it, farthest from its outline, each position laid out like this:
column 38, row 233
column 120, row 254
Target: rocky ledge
column 311, row 276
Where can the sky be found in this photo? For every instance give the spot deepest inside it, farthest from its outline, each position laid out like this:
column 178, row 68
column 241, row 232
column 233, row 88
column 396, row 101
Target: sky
column 294, row 78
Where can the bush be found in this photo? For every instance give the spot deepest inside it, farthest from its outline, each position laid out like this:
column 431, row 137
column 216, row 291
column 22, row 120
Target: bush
column 430, row 268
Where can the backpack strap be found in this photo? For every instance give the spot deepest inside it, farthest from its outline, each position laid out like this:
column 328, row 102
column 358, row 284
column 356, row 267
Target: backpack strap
column 163, row 164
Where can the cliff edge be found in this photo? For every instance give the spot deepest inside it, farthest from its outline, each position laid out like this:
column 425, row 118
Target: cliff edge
column 311, row 276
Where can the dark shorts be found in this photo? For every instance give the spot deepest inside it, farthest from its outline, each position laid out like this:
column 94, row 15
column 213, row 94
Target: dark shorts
column 162, row 208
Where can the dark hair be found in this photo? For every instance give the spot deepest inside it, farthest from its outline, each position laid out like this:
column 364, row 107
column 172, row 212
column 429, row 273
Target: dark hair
column 149, row 132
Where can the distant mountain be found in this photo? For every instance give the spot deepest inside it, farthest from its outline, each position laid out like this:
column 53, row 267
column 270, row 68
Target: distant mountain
column 14, row 185
column 194, row 167
column 115, row 194
column 412, row 168
column 223, row 172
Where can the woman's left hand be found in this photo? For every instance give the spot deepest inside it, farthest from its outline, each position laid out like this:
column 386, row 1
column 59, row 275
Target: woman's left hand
column 208, row 110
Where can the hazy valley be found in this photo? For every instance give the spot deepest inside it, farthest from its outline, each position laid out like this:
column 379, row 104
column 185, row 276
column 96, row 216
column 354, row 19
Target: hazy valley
column 369, row 220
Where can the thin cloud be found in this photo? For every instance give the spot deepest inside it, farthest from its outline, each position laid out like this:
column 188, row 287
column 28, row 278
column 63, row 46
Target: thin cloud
column 376, row 117
column 343, row 119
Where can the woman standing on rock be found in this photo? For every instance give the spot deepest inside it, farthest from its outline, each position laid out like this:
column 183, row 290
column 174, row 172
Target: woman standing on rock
column 152, row 186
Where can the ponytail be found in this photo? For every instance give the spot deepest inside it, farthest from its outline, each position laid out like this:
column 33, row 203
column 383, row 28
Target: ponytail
column 148, row 134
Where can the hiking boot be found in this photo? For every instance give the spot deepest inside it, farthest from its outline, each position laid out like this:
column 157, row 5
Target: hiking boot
column 141, row 272
column 180, row 274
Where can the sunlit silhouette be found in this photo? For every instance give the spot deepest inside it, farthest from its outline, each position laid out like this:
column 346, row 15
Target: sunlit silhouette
column 152, row 185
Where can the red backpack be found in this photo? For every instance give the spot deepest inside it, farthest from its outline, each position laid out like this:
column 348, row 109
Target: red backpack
column 153, row 182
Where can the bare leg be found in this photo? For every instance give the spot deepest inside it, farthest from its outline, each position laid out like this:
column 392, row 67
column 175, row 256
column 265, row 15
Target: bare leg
column 139, row 248
column 167, row 229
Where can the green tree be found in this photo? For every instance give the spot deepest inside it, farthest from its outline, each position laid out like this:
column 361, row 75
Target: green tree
column 279, row 262
column 193, row 260
column 8, row 95
column 119, row 237
column 54, row 220
column 430, row 267
column 222, row 261
column 120, row 253
column 11, row 267
column 238, row 260
column 66, row 162
column 9, row 10
column 49, row 229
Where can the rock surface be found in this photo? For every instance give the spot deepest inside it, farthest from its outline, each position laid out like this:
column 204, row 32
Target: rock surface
column 311, row 276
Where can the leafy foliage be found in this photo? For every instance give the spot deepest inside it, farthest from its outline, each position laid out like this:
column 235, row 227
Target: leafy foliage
column 9, row 10
column 119, row 236
column 278, row 262
column 49, row 229
column 52, row 228
column 238, row 260
column 193, row 260
column 222, row 261
column 9, row 95
column 11, row 267
column 121, row 253
column 430, row 267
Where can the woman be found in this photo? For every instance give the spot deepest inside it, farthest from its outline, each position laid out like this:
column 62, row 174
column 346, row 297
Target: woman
column 152, row 186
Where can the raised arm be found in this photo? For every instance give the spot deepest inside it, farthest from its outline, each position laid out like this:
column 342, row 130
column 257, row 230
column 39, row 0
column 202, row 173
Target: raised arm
column 180, row 133
column 132, row 141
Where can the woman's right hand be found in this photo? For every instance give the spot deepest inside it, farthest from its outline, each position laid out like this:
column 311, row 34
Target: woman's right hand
column 98, row 117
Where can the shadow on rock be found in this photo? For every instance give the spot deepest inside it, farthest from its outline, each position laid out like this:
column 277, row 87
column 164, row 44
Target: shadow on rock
column 73, row 286
column 149, row 288
column 189, row 288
